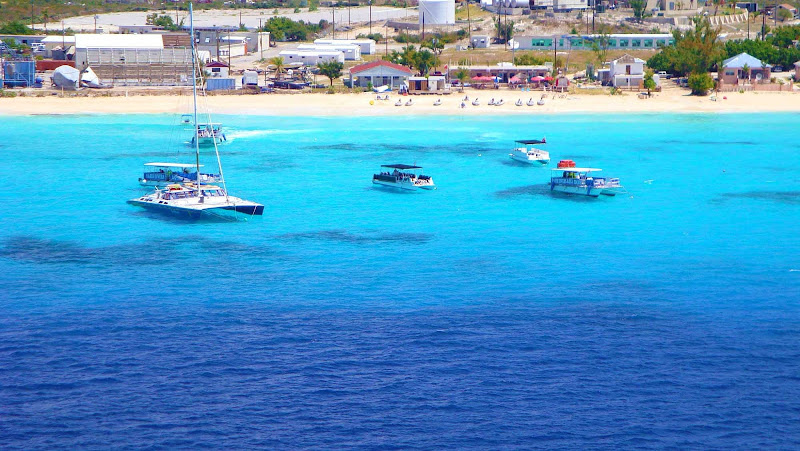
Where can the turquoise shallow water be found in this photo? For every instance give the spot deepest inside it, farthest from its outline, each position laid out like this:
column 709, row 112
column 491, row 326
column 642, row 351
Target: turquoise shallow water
column 486, row 313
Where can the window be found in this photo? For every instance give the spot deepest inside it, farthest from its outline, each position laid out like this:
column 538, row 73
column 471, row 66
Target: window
column 215, row 69
column 648, row 43
column 561, row 43
column 729, row 72
column 636, row 42
column 661, row 43
column 612, row 43
column 623, row 42
column 208, row 40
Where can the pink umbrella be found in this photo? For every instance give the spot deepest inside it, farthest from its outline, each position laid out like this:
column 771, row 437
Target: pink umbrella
column 482, row 78
column 514, row 79
column 537, row 78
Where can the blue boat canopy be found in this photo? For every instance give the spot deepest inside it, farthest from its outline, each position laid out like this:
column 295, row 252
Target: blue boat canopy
column 531, row 141
column 400, row 166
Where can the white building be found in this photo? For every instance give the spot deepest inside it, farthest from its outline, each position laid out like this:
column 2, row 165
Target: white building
column 351, row 52
column 367, row 45
column 86, row 43
column 480, row 41
column 569, row 5
column 625, row 71
column 311, row 57
column 379, row 73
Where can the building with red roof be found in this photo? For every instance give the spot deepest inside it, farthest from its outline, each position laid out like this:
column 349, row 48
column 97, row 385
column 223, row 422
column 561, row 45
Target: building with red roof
column 379, row 73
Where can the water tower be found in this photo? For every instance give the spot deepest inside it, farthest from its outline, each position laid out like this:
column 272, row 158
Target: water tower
column 437, row 12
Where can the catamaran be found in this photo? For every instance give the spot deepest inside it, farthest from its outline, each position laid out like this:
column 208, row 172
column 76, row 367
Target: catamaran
column 196, row 200
column 574, row 180
column 162, row 174
column 524, row 153
column 403, row 176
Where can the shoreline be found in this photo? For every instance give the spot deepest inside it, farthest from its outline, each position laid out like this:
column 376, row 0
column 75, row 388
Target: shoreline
column 365, row 104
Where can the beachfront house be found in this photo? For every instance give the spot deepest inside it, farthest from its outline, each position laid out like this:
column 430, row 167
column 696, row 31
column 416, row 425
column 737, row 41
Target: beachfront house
column 379, row 73
column 432, row 84
column 623, row 72
column 744, row 69
column 797, row 71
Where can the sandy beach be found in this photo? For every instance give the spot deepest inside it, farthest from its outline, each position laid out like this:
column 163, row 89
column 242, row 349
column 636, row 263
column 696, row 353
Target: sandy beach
column 364, row 104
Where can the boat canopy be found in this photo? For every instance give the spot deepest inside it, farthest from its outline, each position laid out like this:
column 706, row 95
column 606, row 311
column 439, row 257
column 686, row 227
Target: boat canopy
column 531, row 141
column 172, row 165
column 576, row 169
column 400, row 166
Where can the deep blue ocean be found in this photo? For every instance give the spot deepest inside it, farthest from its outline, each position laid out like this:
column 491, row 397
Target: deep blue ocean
column 488, row 314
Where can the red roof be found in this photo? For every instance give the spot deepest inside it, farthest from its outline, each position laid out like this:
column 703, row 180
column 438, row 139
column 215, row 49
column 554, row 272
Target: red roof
column 370, row 65
column 216, row 64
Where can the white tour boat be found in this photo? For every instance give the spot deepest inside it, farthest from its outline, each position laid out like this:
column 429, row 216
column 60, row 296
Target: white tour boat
column 573, row 180
column 403, row 176
column 525, row 153
column 196, row 200
column 208, row 135
column 162, row 174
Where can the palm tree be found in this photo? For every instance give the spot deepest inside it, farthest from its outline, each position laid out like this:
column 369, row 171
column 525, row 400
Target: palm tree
column 746, row 72
column 462, row 75
column 278, row 63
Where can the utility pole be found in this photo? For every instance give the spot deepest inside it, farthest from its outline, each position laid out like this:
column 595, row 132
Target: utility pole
column 594, row 13
column 95, row 23
column 176, row 14
column 333, row 14
column 469, row 24
column 31, row 14
column 370, row 16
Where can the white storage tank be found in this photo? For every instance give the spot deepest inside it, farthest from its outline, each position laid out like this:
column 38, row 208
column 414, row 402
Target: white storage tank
column 437, row 12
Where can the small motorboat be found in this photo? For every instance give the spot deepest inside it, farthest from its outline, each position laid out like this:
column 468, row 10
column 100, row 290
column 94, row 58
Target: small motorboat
column 404, row 177
column 499, row 102
column 518, row 102
column 540, row 102
column 475, row 102
column 525, row 152
column 410, row 102
column 573, row 180
column 437, row 102
column 398, row 103
column 466, row 98
column 491, row 102
column 531, row 102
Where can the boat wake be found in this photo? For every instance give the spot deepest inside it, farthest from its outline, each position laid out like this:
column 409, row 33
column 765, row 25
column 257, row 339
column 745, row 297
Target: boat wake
column 234, row 134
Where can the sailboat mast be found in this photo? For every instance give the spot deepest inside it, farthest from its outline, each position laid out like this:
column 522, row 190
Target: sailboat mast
column 195, row 73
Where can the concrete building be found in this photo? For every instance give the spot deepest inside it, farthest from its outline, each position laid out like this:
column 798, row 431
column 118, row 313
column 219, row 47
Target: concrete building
column 311, row 57
column 623, row 72
column 432, row 84
column 216, row 69
column 797, row 71
column 569, row 5
column 503, row 72
column 480, row 41
column 22, row 38
column 351, row 52
column 133, row 60
column 379, row 73
column 584, row 42
column 367, row 45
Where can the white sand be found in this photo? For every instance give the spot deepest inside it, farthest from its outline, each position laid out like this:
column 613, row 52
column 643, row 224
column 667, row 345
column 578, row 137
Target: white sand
column 670, row 101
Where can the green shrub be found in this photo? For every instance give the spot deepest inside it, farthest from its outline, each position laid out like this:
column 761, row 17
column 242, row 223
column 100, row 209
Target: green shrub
column 700, row 83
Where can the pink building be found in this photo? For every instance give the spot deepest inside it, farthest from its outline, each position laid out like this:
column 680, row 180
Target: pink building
column 744, row 69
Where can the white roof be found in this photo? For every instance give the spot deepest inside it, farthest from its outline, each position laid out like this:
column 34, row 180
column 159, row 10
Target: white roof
column 59, row 40
column 172, row 165
column 119, row 41
column 311, row 52
column 576, row 169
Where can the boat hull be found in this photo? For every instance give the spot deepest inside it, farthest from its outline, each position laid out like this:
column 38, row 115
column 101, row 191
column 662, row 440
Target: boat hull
column 525, row 159
column 400, row 186
column 581, row 190
column 241, row 211
column 209, row 142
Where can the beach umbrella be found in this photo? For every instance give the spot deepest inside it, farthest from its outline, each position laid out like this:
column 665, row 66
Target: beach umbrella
column 537, row 78
column 514, row 79
column 482, row 78
column 548, row 78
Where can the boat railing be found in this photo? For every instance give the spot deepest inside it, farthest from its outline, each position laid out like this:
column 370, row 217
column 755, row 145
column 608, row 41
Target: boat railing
column 569, row 181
